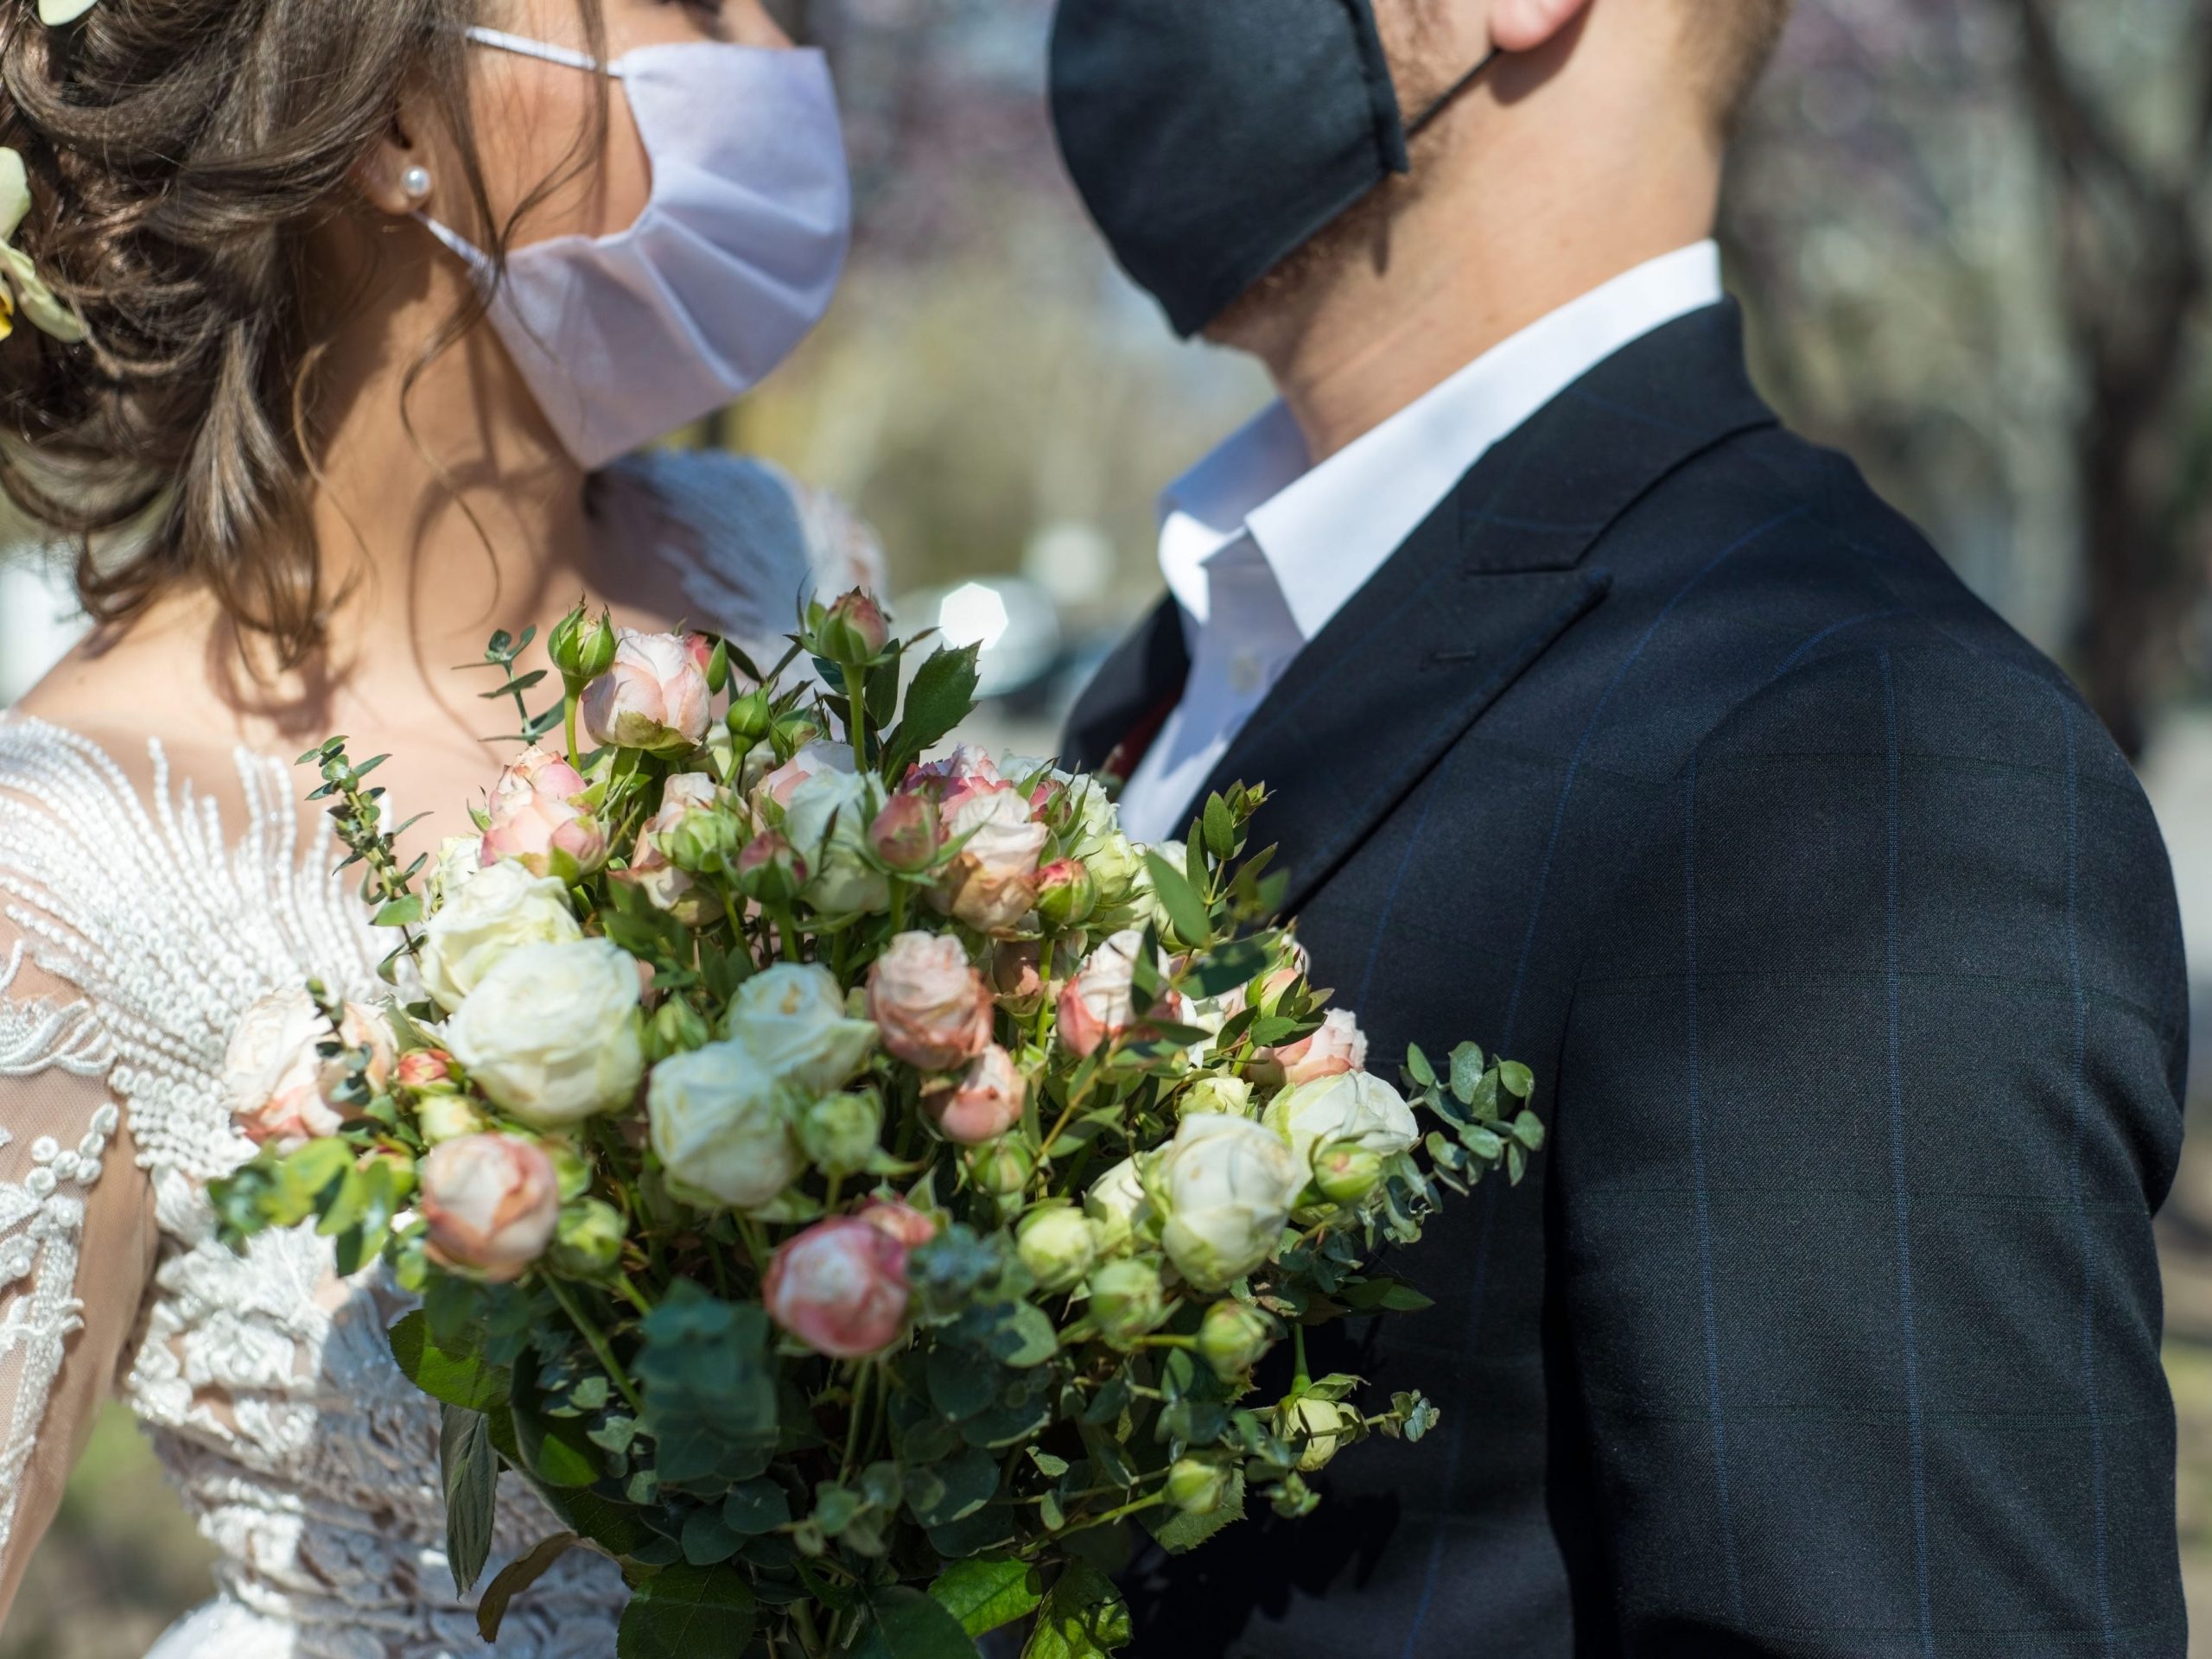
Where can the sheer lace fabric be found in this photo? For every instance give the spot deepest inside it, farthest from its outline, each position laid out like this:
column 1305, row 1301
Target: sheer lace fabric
column 141, row 913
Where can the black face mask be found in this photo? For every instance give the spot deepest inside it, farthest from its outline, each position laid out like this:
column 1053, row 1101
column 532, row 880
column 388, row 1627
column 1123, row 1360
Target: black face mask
column 1212, row 139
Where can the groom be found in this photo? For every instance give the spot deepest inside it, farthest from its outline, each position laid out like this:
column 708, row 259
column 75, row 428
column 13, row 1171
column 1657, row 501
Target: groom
column 1610, row 722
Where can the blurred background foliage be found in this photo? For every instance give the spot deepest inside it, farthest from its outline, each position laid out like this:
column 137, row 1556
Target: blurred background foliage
column 1972, row 240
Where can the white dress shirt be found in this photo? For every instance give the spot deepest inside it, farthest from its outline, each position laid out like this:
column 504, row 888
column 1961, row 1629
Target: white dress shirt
column 1260, row 547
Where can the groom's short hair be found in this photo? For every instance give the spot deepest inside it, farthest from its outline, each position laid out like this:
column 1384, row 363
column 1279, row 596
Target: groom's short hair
column 1736, row 39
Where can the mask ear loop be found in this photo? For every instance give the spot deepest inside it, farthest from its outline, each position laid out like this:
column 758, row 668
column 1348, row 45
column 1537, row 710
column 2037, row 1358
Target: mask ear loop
column 1451, row 93
column 522, row 46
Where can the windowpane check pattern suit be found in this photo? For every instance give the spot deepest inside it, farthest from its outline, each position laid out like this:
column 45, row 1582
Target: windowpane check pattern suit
column 1666, row 759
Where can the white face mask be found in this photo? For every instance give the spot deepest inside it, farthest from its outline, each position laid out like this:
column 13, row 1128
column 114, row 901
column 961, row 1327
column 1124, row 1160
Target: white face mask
column 623, row 338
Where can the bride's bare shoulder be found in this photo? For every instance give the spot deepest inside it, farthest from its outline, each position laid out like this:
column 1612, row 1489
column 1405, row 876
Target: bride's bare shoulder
column 119, row 688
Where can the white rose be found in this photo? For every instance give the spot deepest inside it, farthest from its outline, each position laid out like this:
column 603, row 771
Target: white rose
column 501, row 908
column 1225, row 1186
column 722, row 1128
column 460, row 861
column 792, row 1019
column 551, row 1032
column 1354, row 1106
column 1229, row 1095
column 275, row 1081
column 826, row 822
column 1116, row 1202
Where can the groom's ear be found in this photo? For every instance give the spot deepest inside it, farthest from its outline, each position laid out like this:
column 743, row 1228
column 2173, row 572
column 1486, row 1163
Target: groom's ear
column 1526, row 25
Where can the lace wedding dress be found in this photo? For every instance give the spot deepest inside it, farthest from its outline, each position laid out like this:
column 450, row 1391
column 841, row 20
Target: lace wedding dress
column 142, row 910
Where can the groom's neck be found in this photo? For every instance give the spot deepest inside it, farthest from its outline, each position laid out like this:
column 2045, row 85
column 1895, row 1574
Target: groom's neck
column 1518, row 204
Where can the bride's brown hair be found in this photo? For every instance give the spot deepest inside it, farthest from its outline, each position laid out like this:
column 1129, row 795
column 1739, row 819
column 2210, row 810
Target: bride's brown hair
column 182, row 153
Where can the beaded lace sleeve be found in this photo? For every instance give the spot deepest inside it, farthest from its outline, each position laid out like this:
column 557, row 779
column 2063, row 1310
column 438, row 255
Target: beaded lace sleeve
column 131, row 933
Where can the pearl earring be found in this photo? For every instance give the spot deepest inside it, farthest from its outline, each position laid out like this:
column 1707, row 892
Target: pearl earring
column 414, row 183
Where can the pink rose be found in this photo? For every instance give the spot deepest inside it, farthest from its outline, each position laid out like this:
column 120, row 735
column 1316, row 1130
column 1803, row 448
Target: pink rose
column 654, row 697
column 491, row 1202
column 1017, row 973
column 900, row 1219
column 1295, row 966
column 1339, row 1046
column 840, row 1288
column 535, row 820
column 907, row 833
column 666, row 886
column 952, row 782
column 425, row 1067
column 278, row 1085
column 992, row 882
column 854, row 629
column 1097, row 1005
column 929, row 1001
column 809, row 762
column 984, row 1104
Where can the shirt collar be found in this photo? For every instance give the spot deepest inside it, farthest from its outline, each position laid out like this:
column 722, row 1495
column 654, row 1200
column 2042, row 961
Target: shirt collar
column 1325, row 531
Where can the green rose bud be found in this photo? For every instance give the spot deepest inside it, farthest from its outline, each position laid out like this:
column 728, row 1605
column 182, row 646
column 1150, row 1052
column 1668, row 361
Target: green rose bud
column 1057, row 1244
column 795, row 731
column 1315, row 1428
column 1127, row 1301
column 750, row 716
column 1346, row 1172
column 1066, row 894
column 840, row 1133
column 1196, row 1487
column 769, row 871
column 717, row 669
column 571, row 1173
column 447, row 1116
column 853, row 631
column 1230, row 1096
column 676, row 1028
column 700, row 842
column 589, row 1243
column 1001, row 1167
column 1234, row 1338
column 582, row 647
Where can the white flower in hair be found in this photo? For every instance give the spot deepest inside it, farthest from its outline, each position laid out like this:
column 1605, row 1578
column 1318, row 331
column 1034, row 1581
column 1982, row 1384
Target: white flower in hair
column 21, row 286
column 54, row 13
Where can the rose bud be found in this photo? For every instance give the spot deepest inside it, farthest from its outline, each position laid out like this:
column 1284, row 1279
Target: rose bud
column 666, row 880
column 491, row 1203
column 768, row 871
column 1196, row 1487
column 1346, row 1172
column 750, row 716
column 992, row 881
column 277, row 1082
column 1234, row 1338
column 1066, row 895
column 1127, row 1301
column 1273, row 987
column 853, row 630
column 713, row 657
column 588, row 1242
column 582, row 647
column 929, row 1001
column 1001, row 1167
column 985, row 1104
column 840, row 1288
column 958, row 778
column 677, row 1027
column 424, row 1068
column 448, row 1115
column 1116, row 1203
column 841, row 1135
column 1357, row 1108
column 1231, row 1095
column 535, row 821
column 1338, row 1047
column 1315, row 1428
column 1058, row 1245
column 900, row 1219
column 1017, row 977
column 906, row 834
column 1225, row 1186
column 653, row 697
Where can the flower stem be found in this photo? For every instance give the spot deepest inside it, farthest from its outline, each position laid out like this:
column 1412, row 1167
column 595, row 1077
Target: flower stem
column 856, row 709
column 591, row 1335
column 1305, row 1378
column 864, row 1373
column 569, row 724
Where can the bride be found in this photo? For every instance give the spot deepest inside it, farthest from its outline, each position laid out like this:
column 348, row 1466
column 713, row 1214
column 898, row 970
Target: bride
column 332, row 318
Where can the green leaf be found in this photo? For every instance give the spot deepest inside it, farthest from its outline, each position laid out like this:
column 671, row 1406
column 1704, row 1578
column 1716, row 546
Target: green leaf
column 709, row 1387
column 1370, row 1295
column 1177, row 1532
column 1417, row 1064
column 1227, row 966
column 1528, row 1130
column 961, row 1384
column 904, row 1624
column 1186, row 911
column 756, row 1506
column 1516, row 1079
column 688, row 1612
column 1083, row 1618
column 966, row 1482
column 986, row 1591
column 457, row 1376
column 942, row 695
column 1220, row 828
column 1026, row 1339
column 609, row 1522
column 1466, row 1071
column 470, row 1470
column 516, row 1577
column 400, row 912
column 709, row 1541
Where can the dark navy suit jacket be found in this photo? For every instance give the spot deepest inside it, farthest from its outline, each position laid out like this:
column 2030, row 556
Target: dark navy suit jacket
column 1666, row 759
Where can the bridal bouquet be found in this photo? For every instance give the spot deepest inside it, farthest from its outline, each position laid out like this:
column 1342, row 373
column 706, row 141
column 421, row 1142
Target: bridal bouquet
column 851, row 1187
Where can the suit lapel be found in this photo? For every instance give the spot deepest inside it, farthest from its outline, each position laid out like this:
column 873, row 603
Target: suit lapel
column 1131, row 696
column 1478, row 593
